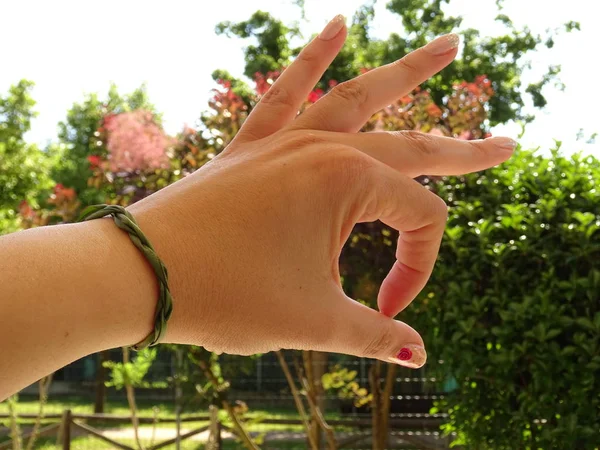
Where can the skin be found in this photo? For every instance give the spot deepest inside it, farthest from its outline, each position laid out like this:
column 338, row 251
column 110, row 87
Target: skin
column 252, row 240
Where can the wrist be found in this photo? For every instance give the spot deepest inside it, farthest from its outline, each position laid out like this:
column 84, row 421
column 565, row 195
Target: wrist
column 125, row 291
column 189, row 268
column 69, row 291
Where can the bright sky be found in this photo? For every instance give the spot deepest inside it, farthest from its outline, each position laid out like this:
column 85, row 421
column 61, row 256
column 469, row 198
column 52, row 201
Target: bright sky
column 72, row 47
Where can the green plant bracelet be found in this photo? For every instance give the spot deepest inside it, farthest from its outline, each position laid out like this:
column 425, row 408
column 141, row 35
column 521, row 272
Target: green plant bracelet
column 125, row 221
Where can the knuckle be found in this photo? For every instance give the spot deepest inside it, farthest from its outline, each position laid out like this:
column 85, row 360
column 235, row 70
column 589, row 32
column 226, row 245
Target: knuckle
column 303, row 139
column 477, row 148
column 350, row 162
column 309, row 57
column 381, row 345
column 422, row 142
column 342, row 168
column 353, row 91
column 439, row 208
column 410, row 70
column 278, row 96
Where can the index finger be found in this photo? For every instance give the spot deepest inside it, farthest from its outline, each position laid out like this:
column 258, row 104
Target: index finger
column 281, row 102
column 420, row 217
column 349, row 105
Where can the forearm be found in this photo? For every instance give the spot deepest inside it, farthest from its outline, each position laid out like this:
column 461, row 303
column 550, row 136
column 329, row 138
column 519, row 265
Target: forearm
column 67, row 291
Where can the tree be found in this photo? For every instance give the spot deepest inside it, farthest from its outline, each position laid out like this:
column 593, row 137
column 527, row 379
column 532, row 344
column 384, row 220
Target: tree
column 479, row 90
column 513, row 307
column 12, row 423
column 131, row 157
column 460, row 103
column 501, row 58
column 129, row 375
column 79, row 137
column 24, row 169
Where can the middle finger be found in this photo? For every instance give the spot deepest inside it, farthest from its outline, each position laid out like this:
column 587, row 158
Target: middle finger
column 413, row 153
column 349, row 105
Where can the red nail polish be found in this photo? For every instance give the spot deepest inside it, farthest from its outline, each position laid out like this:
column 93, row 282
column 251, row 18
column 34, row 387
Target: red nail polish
column 404, row 354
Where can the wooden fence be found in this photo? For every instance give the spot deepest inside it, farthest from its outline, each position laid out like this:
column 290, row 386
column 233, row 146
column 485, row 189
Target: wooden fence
column 68, row 424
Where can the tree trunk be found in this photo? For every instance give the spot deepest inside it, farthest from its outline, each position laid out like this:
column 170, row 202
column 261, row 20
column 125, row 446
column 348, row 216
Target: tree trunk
column 319, row 360
column 297, row 399
column 178, row 395
column 238, row 426
column 100, row 382
column 381, row 403
column 315, row 429
column 311, row 379
column 386, row 402
column 374, row 376
column 214, row 436
column 132, row 405
column 318, row 417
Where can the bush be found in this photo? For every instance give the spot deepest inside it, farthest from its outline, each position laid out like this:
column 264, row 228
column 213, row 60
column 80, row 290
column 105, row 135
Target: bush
column 513, row 307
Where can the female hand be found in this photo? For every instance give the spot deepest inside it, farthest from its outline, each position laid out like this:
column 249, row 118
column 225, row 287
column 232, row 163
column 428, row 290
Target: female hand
column 252, row 240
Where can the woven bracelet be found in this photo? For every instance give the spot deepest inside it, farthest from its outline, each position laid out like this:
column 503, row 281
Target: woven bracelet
column 125, row 221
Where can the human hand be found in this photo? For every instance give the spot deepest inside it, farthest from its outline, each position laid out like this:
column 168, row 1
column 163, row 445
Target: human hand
column 252, row 240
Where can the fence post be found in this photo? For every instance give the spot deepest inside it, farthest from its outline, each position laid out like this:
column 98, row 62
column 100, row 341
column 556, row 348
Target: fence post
column 66, row 430
column 214, row 437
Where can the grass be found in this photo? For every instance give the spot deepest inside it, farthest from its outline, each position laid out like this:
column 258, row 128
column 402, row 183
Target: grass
column 92, row 443
column 83, row 405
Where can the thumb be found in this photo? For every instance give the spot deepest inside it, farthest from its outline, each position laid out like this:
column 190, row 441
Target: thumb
column 364, row 332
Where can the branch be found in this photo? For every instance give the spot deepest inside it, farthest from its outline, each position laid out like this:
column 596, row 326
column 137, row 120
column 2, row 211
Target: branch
column 129, row 390
column 239, row 427
column 316, row 412
column 390, row 378
column 44, row 386
column 297, row 399
column 15, row 430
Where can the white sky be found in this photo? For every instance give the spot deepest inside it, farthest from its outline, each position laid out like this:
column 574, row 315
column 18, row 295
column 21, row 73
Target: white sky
column 72, row 47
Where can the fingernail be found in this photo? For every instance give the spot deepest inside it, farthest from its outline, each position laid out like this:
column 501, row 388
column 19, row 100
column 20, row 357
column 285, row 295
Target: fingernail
column 411, row 355
column 443, row 44
column 504, row 143
column 332, row 29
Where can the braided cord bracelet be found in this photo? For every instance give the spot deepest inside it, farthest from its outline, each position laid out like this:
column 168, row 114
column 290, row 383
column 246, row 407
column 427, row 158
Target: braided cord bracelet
column 125, row 221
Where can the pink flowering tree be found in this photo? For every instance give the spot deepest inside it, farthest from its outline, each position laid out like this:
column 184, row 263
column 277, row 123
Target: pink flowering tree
column 135, row 142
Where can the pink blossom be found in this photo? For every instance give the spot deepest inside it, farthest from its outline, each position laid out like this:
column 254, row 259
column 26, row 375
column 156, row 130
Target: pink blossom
column 135, row 141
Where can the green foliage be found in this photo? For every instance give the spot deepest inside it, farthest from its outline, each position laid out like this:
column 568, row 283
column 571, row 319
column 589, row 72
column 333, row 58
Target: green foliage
column 501, row 58
column 238, row 87
column 273, row 47
column 513, row 306
column 24, row 169
column 132, row 373
column 343, row 382
column 78, row 137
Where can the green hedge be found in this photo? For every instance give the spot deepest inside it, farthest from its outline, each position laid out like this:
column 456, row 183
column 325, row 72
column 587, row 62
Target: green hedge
column 513, row 307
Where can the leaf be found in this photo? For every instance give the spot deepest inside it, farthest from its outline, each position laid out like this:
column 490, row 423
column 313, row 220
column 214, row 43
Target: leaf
column 586, row 323
column 552, row 333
